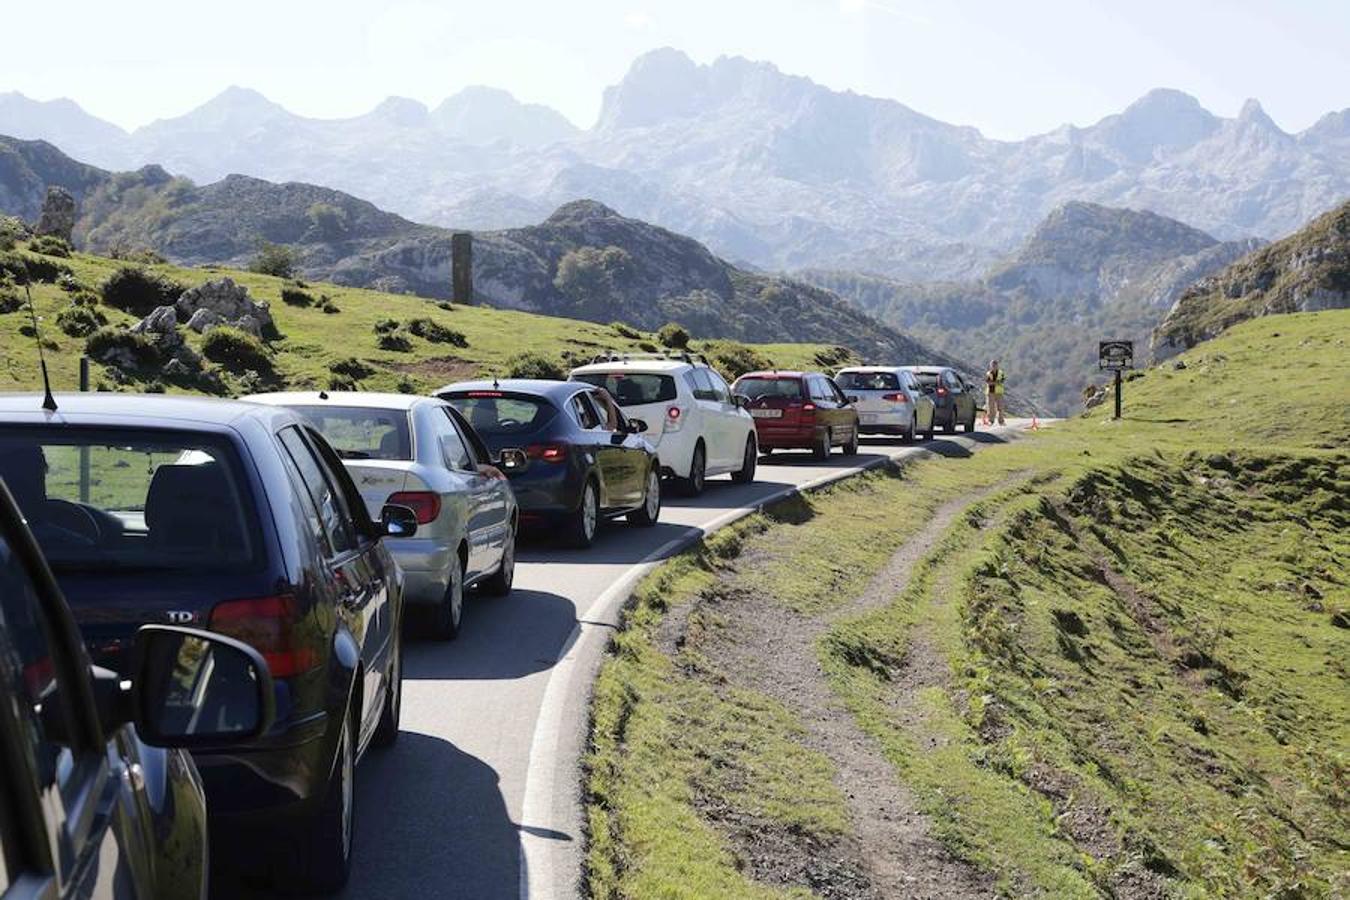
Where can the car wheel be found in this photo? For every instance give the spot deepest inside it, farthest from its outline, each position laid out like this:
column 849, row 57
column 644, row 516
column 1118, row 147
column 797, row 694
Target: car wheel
column 821, row 450
column 747, row 471
column 647, row 514
column 323, row 859
column 446, row 617
column 949, row 426
column 387, row 732
column 970, row 423
column 499, row 585
column 911, row 432
column 851, row 448
column 698, row 473
column 581, row 529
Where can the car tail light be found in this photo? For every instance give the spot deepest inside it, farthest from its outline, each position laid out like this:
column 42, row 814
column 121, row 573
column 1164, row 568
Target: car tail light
column 268, row 624
column 942, row 392
column 547, row 452
column 896, row 398
column 674, row 418
column 426, row 505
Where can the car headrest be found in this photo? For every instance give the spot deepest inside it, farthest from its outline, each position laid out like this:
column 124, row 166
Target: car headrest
column 176, row 490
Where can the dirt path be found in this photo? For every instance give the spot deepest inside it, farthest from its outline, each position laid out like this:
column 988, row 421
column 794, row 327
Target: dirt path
column 771, row 649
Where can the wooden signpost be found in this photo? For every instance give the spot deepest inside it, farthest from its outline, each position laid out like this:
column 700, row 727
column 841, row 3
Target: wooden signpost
column 1115, row 356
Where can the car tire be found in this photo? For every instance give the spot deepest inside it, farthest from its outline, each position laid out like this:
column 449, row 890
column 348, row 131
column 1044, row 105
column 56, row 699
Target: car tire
column 646, row 515
column 851, row 448
column 499, row 585
column 322, row 861
column 970, row 424
column 446, row 617
column 386, row 733
column 949, row 426
column 912, row 432
column 746, row 474
column 698, row 472
column 822, row 446
column 585, row 521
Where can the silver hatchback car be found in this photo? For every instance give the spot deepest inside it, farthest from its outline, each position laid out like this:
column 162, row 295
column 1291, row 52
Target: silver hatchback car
column 889, row 401
column 420, row 453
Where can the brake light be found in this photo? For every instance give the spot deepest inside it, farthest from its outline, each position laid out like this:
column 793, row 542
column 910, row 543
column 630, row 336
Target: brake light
column 942, row 392
column 426, row 505
column 896, row 398
column 268, row 624
column 673, row 413
column 547, row 452
column 486, row 394
column 808, row 407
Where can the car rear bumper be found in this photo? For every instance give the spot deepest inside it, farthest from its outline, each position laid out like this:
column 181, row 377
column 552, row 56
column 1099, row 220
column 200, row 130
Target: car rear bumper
column 889, row 422
column 785, row 438
column 284, row 777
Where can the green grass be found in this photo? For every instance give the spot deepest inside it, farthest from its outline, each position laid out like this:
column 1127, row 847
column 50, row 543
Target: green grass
column 311, row 340
column 1142, row 638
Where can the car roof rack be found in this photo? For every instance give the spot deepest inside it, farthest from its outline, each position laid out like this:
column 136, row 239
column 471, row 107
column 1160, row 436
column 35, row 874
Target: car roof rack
column 681, row 356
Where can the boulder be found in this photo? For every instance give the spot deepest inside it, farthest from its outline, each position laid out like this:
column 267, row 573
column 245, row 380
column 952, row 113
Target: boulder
column 203, row 320
column 59, row 212
column 161, row 320
column 230, row 301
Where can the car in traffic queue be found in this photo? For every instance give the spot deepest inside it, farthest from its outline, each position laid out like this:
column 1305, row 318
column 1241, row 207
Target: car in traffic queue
column 693, row 420
column 799, row 411
column 955, row 401
column 586, row 462
column 98, row 795
column 420, row 453
column 889, row 401
column 239, row 518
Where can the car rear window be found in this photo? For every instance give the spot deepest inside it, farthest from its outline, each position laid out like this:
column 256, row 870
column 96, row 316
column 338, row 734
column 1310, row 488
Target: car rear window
column 927, row 380
column 499, row 414
column 755, row 388
column 632, row 388
column 110, row 500
column 868, row 381
column 356, row 432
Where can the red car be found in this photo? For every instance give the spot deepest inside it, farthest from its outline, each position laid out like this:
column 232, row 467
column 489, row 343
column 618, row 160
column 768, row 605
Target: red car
column 799, row 411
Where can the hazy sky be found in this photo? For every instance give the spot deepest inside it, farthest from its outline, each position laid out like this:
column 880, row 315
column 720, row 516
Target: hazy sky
column 1009, row 67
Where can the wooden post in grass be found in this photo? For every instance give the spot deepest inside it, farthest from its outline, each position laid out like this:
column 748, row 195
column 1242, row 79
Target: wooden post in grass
column 461, row 267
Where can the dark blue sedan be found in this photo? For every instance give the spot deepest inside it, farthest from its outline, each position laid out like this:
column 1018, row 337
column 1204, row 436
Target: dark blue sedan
column 585, row 461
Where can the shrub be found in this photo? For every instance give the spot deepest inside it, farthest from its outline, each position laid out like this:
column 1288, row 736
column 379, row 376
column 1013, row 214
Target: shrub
column 236, row 351
column 10, row 300
column 296, row 297
column 433, row 331
column 833, row 356
column 24, row 269
column 84, row 297
column 70, row 284
column 673, row 335
column 395, row 340
column 386, row 326
column 137, row 291
column 534, row 365
column 734, row 359
column 338, row 383
column 406, row 385
column 80, row 321
column 274, row 259
column 50, row 245
column 12, row 230
column 140, row 255
column 647, row 347
column 328, row 220
column 113, row 346
column 327, row 306
column 625, row 331
column 445, row 305
column 351, row 368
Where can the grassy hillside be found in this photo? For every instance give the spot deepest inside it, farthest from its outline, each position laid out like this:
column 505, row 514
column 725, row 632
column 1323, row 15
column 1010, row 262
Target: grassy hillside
column 311, row 340
column 1116, row 669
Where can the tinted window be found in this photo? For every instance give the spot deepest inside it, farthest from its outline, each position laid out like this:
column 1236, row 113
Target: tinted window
column 357, row 433
column 720, row 389
column 469, row 436
column 116, row 499
column 633, row 388
column 334, row 530
column 820, row 390
column 583, row 412
column 868, row 381
column 497, row 414
column 755, row 388
column 703, row 385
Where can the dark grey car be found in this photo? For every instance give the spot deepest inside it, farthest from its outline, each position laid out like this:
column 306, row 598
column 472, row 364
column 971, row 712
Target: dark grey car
column 955, row 399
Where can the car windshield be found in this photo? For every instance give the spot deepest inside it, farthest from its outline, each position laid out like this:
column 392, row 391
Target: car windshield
column 757, row 388
column 868, row 381
column 107, row 500
column 362, row 433
column 499, row 414
column 632, row 388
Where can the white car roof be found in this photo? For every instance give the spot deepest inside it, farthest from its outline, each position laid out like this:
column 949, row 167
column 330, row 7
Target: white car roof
column 871, row 369
column 363, row 399
column 664, row 366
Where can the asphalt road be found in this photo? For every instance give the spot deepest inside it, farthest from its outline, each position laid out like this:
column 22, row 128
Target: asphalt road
column 480, row 796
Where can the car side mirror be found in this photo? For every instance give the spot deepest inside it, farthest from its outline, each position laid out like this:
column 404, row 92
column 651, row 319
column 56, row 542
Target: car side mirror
column 397, row 521
column 851, row 398
column 636, row 426
column 741, row 401
column 193, row 688
column 511, row 460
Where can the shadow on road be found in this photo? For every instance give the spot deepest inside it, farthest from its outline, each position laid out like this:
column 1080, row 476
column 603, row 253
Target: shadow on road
column 617, row 543
column 503, row 637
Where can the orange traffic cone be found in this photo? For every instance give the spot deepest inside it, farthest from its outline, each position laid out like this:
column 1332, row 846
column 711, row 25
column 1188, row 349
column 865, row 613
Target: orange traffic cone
column 1035, row 423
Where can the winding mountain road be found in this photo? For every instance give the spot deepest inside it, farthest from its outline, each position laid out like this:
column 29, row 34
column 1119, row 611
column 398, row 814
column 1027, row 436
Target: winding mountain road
column 480, row 797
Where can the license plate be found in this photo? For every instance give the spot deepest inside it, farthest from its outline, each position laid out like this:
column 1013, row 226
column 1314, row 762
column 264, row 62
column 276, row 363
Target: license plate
column 869, row 418
column 767, row 413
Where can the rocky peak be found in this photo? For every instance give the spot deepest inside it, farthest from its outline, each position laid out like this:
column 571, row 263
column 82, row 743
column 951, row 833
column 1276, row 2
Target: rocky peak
column 481, row 115
column 400, row 112
column 1162, row 119
column 581, row 212
column 660, row 85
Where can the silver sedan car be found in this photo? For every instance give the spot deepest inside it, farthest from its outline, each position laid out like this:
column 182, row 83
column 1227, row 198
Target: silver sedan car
column 419, row 452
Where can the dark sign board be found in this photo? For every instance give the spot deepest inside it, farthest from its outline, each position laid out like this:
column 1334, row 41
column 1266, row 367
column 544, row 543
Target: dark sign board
column 1115, row 355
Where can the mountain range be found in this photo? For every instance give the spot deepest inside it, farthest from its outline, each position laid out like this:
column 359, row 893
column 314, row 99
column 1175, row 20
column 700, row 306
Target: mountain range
column 767, row 169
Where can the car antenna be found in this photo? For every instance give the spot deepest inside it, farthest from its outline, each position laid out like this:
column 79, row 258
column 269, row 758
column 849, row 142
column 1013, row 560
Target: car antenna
column 496, row 385
column 48, row 401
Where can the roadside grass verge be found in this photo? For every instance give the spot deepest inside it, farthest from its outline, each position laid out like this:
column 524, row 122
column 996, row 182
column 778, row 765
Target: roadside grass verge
column 1134, row 677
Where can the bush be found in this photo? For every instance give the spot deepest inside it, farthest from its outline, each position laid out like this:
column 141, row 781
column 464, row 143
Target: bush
column 833, row 356
column 386, row 326
column 673, row 335
column 406, row 385
column 80, row 321
column 236, row 351
column 70, row 284
column 10, row 300
column 274, row 259
column 328, row 220
column 625, row 331
column 296, row 297
column 23, row 269
column 534, row 365
column 445, row 305
column 431, row 330
column 351, row 368
column 84, row 297
column 327, row 306
column 12, row 230
column 113, row 346
column 138, row 292
column 648, row 347
column 141, row 256
column 395, row 340
column 734, row 359
column 50, row 245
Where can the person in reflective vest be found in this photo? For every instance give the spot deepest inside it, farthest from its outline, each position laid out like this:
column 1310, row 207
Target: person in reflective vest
column 993, row 388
